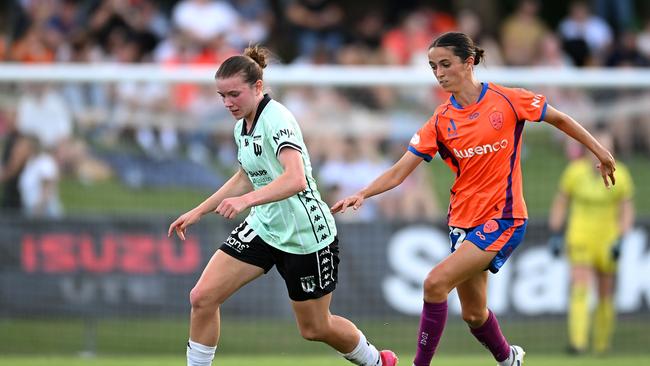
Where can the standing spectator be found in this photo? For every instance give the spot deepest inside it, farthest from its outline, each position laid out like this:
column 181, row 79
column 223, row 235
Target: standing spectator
column 598, row 220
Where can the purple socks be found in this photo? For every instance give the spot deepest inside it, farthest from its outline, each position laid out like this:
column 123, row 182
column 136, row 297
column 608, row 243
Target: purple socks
column 489, row 334
column 432, row 323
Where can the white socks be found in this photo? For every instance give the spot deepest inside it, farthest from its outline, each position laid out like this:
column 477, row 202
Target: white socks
column 199, row 355
column 364, row 354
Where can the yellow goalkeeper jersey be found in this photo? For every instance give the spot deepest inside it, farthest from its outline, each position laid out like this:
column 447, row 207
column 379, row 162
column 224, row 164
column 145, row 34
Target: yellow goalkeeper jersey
column 594, row 211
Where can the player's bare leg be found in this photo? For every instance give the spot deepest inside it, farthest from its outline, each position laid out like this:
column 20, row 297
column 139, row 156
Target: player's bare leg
column 222, row 277
column 466, row 262
column 316, row 323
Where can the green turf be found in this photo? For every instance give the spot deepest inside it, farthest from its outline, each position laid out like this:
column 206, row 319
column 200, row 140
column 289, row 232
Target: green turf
column 259, row 336
column 331, row 360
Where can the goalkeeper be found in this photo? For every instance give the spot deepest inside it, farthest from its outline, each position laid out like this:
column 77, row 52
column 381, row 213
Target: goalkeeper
column 597, row 221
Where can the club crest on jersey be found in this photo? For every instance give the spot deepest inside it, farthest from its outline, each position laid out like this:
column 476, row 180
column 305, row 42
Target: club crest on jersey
column 496, row 120
column 257, row 145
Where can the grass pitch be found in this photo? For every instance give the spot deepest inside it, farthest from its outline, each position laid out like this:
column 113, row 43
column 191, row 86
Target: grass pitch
column 279, row 360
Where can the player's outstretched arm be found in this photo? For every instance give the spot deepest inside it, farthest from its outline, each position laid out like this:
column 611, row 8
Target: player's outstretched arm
column 390, row 179
column 572, row 128
column 238, row 184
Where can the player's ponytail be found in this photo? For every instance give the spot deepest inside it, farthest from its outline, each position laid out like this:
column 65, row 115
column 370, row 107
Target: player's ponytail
column 250, row 65
column 461, row 45
column 478, row 55
column 258, row 53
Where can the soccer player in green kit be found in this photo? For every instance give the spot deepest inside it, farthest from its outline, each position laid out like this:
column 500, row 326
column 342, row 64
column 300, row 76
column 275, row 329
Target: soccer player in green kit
column 289, row 225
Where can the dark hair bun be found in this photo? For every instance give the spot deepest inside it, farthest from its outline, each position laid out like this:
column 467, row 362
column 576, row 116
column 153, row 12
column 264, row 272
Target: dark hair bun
column 478, row 54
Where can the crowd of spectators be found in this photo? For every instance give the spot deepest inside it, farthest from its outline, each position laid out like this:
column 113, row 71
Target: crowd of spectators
column 76, row 127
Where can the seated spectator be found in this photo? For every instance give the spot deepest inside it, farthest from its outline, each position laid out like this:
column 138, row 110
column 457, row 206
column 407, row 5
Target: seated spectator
column 581, row 28
column 643, row 38
column 632, row 124
column 43, row 112
column 620, row 13
column 317, row 26
column 38, row 184
column 16, row 151
column 3, row 47
column 625, row 53
column 551, row 54
column 407, row 43
column 360, row 157
column 216, row 17
column 522, row 33
column 470, row 23
column 66, row 19
column 256, row 22
column 117, row 22
column 32, row 47
column 88, row 102
column 367, row 32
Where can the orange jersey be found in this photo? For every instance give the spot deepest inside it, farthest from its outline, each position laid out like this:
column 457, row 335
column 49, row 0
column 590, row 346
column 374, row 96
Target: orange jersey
column 481, row 143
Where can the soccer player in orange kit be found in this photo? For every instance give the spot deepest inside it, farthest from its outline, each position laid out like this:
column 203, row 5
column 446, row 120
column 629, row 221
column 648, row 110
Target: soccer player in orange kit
column 477, row 133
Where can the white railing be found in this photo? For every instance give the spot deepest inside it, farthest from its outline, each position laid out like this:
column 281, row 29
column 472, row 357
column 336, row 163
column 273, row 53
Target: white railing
column 327, row 75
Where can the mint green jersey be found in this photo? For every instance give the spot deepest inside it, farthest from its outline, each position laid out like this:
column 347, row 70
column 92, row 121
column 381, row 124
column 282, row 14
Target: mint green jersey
column 302, row 223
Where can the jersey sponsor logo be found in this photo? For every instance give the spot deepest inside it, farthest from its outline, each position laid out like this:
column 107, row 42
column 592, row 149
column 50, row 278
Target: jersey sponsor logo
column 490, row 226
column 235, row 244
column 537, row 100
column 415, row 139
column 452, row 131
column 308, row 283
column 283, row 132
column 258, row 173
column 496, row 120
column 474, row 115
column 481, row 149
